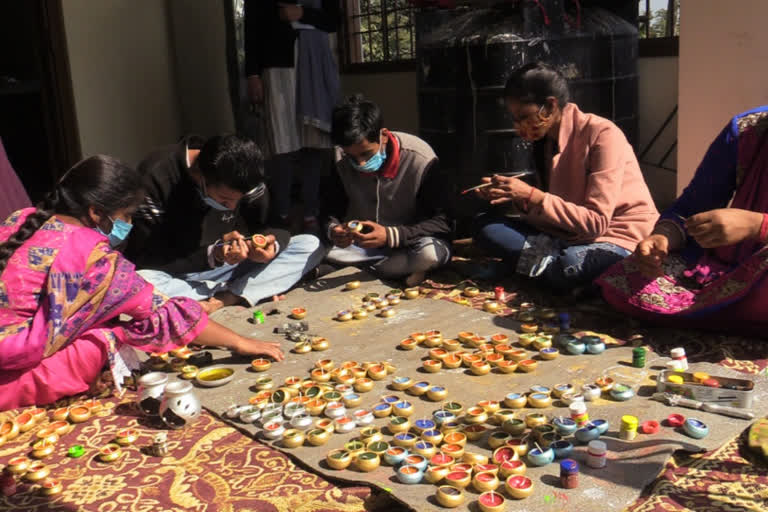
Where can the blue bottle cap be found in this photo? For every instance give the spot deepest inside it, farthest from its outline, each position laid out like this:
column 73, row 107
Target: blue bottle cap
column 569, row 466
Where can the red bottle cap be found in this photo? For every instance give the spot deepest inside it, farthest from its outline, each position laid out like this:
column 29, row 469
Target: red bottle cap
column 649, row 427
column 713, row 383
column 675, row 420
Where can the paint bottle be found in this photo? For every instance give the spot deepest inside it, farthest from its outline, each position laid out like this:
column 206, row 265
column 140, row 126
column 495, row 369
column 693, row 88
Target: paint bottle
column 569, row 474
column 678, row 354
column 638, row 357
column 500, row 294
column 628, row 430
column 579, row 413
column 596, row 451
column 565, row 321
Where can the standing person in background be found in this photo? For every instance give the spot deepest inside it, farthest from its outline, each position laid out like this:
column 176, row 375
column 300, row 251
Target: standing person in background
column 291, row 71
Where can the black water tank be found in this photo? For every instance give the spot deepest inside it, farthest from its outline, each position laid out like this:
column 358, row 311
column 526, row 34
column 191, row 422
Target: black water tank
column 466, row 54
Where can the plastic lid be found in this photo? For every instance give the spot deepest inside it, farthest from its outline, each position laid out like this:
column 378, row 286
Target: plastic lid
column 578, row 407
column 713, row 383
column 676, row 379
column 629, row 421
column 597, row 447
column 569, row 466
column 700, row 376
column 677, row 352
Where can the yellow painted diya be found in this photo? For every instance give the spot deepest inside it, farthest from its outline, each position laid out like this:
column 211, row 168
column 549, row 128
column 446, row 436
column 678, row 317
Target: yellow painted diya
column 435, row 474
column 480, row 368
column 293, row 438
column 367, row 461
column 486, row 481
column 319, row 344
column 318, row 436
column 518, row 355
column 491, row 306
column 338, row 459
column 60, row 414
column 50, row 487
column 535, row 419
column 352, row 285
column 471, row 291
column 449, row 496
column 411, row 293
column 61, row 427
column 126, row 436
column 36, row 471
column 438, row 354
column 408, row 344
column 377, row 372
column 451, row 345
column 527, row 365
column 494, row 359
column 465, row 336
column 363, row 385
column 499, row 339
column 506, row 366
column 44, row 447
column 475, row 415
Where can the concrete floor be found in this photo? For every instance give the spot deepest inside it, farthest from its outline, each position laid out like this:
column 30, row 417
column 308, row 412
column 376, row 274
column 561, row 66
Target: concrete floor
column 631, row 465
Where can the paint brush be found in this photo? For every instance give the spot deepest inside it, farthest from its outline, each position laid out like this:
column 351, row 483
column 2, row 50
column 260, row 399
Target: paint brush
column 483, row 185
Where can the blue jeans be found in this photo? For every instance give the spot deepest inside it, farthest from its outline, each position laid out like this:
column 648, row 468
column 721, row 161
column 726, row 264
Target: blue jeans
column 249, row 280
column 425, row 254
column 571, row 265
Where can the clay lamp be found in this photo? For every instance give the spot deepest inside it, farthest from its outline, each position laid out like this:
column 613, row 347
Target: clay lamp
column 408, row 344
column 78, row 414
column 352, row 285
column 539, row 400
column 476, row 341
column 334, row 409
column 110, row 452
column 416, row 460
column 437, row 393
column 458, row 479
column 354, row 447
column 491, row 306
column 605, row 383
column 475, row 415
column 491, row 501
column 457, row 438
column 503, row 454
column 529, row 328
column 44, row 447
column 340, row 374
column 94, row 405
column 61, row 427
column 387, row 312
column 189, row 372
column 343, row 425
column 425, row 449
column 393, row 300
column 390, row 399
column 60, row 414
column 409, row 474
column 411, row 293
column 498, row 439
column 395, row 292
column 438, row 354
column 514, row 426
column 24, row 422
column 442, row 460
column 621, row 392
column 47, row 432
column 18, row 465
column 302, row 347
column 418, row 336
column 540, row 389
column 452, row 361
column 474, row 458
column 399, row 424
column 525, row 317
column 471, row 291
column 382, row 410
column 433, row 341
column 443, row 416
column 395, row 455
column 515, row 400
column 547, row 354
column 486, row 481
column 435, row 474
column 469, row 359
column 50, row 487
column 601, row 425
column 539, row 430
column 311, row 388
column 489, row 406
column 451, row 345
column 319, row 344
column 519, row 486
column 465, row 336
column 560, row 389
column 432, row 366
column 541, row 456
column 512, row 467
column 301, row 421
column 338, row 459
column 325, row 424
column 37, row 471
column 474, row 432
column 363, row 417
column 419, row 388
column 569, row 398
column 177, row 364
column 293, row 382
column 449, row 497
column 500, row 339
column 591, row 392
column 293, row 438
column 461, row 466
column 503, row 349
column 318, row 436
column 527, row 365
column 367, row 461
column 369, row 306
column 453, row 407
column 433, row 436
column 480, row 368
column 485, row 348
column 454, row 450
column 401, row 383
column 379, row 302
column 315, row 406
column 377, row 372
column 576, row 347
column 126, row 436
column 505, row 366
column 271, row 417
column 547, row 314
column 279, row 396
column 352, row 400
column 518, row 355
column 495, row 359
column 562, row 449
column 344, row 315
column 403, row 408
column 294, row 408
column 359, row 313
column 422, row 425
column 363, row 385
column 535, row 419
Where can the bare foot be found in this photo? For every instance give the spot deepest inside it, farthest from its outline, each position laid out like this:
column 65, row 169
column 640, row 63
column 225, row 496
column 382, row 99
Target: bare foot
column 211, row 305
column 278, row 298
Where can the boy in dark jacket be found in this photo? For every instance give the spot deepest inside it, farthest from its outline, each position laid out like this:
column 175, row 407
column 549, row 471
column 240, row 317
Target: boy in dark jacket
column 192, row 235
column 384, row 203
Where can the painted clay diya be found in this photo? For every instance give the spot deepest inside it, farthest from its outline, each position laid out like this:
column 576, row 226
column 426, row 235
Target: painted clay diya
column 515, row 400
column 318, row 437
column 367, row 461
column 449, row 497
column 50, row 487
column 405, row 439
column 491, row 502
column 534, row 419
column 539, row 400
column 586, row 434
column 518, row 355
column 519, row 486
column 302, row 347
column 437, row 393
column 432, row 436
column 465, row 336
column 369, row 306
column 576, row 347
column 395, row 455
column 377, row 372
column 43, row 448
column 504, row 349
column 411, row 293
column 371, row 296
column 126, row 436
column 60, row 414
column 489, row 406
column 360, row 313
column 590, row 392
column 526, row 339
column 491, row 306
column 409, row 474
column 451, row 345
column 485, row 481
column 433, row 341
column 569, row 398
column 363, row 385
column 539, row 430
column 422, row 425
column 18, row 465
column 438, row 354
column 416, row 460
column 514, row 426
column 432, row 366
column 319, row 344
column 261, row 365
column 498, row 439
column 370, row 435
column 110, row 452
column 494, row 359
column 541, row 457
column 398, row 424
column 471, row 291
column 562, row 449
column 47, row 432
column 480, row 368
column 457, row 438
column 325, row 424
column 561, row 389
column 697, row 429
column 380, row 302
column 338, row 459
column 595, row 346
column 61, row 427
column 335, row 409
column 37, row 471
column 512, row 467
column 527, row 365
column 529, row 328
column 621, row 392
column 503, row 453
column 506, row 366
column 475, row 415
column 548, row 354
column 316, row 406
column 393, row 300
column 274, row 429
column 352, row 285
column 79, row 414
column 443, row 416
column 419, row 388
column 387, row 312
column 293, row 438
column 352, row 399
column 354, row 447
column 541, row 342
column 301, row 421
column 395, row 292
column 458, row 479
column 259, row 241
column 485, row 348
column 601, row 425
column 470, row 359
column 475, row 432
column 344, row 315
column 425, row 449
column 189, row 372
column 343, row 425
column 605, row 383
column 363, row 417
column 435, row 474
column 403, row 408
column 565, row 426
column 454, row 450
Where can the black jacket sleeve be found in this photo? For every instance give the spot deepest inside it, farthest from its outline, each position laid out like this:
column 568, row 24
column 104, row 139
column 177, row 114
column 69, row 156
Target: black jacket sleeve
column 257, row 15
column 326, row 18
column 333, row 201
column 432, row 217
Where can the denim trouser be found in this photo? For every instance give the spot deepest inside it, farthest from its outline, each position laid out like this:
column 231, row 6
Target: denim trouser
column 572, row 265
column 424, row 254
column 249, row 280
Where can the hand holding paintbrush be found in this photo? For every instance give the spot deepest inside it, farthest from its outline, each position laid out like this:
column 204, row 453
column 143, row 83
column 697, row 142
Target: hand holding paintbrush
column 490, row 181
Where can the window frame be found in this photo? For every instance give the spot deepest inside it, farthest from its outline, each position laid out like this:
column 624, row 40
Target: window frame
column 345, row 46
column 668, row 46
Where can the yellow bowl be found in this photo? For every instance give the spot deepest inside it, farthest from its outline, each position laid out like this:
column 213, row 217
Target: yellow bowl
column 293, row 438
column 318, row 436
column 435, row 474
column 338, row 459
column 432, row 366
column 480, row 368
column 449, row 496
column 363, row 385
column 485, row 481
column 367, row 461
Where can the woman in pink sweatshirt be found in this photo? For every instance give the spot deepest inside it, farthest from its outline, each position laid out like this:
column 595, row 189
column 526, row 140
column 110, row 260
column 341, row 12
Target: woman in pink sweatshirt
column 590, row 207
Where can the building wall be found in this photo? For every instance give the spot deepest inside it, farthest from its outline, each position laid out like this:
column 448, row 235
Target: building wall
column 723, row 71
column 395, row 93
column 122, row 76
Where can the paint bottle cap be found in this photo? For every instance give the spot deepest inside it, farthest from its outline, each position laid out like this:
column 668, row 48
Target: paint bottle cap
column 578, row 408
column 569, row 466
column 700, row 376
column 675, row 379
column 713, row 383
column 629, row 422
column 677, row 352
column 597, row 448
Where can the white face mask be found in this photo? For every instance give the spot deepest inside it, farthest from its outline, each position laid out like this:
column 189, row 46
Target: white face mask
column 209, row 200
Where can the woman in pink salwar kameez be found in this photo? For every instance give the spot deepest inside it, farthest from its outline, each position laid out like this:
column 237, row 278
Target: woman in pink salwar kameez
column 70, row 303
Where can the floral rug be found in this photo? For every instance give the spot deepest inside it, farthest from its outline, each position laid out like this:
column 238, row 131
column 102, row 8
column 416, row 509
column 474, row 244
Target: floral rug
column 210, row 467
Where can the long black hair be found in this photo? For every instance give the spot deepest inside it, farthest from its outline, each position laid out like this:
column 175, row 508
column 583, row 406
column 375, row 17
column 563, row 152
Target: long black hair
column 99, row 181
column 535, row 82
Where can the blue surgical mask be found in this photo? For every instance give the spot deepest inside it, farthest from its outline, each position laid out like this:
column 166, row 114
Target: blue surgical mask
column 211, row 201
column 374, row 163
column 119, row 232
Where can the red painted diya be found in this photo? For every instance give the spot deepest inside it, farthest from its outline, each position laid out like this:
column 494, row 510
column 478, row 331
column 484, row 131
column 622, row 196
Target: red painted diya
column 441, row 459
column 519, row 482
column 485, row 468
column 504, row 454
column 492, row 500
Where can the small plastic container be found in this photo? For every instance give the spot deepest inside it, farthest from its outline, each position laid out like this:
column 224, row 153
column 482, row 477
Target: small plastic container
column 678, row 355
column 596, row 454
column 628, row 430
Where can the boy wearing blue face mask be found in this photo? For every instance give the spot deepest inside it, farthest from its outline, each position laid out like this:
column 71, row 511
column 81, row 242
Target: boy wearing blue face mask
column 192, row 233
column 390, row 182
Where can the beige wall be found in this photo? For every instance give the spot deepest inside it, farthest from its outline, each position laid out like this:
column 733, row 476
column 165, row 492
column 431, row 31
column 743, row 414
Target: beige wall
column 199, row 42
column 395, row 93
column 122, row 76
column 723, row 71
